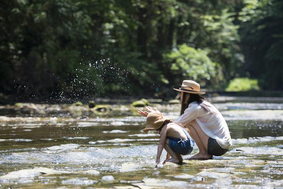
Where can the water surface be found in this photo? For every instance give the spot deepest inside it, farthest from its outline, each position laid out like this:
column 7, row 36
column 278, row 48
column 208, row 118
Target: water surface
column 112, row 151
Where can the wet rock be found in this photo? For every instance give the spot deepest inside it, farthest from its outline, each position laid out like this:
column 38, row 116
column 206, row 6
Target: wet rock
column 174, row 101
column 28, row 108
column 54, row 110
column 126, row 167
column 91, row 104
column 78, row 110
column 108, row 178
column 102, row 110
column 141, row 103
column 184, row 176
column 91, row 172
column 28, row 174
column 78, row 104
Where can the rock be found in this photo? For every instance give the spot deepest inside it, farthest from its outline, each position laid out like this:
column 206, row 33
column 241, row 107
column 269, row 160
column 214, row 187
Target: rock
column 101, row 109
column 29, row 173
column 91, row 104
column 140, row 103
column 28, row 108
column 174, row 101
column 108, row 178
column 77, row 104
column 91, row 172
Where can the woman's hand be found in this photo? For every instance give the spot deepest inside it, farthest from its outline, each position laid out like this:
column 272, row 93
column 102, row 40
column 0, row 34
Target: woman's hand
column 149, row 109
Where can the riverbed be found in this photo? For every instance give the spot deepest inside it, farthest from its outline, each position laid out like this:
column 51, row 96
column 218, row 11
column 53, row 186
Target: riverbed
column 111, row 151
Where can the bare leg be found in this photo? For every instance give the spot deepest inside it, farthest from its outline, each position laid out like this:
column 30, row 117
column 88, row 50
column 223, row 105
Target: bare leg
column 167, row 158
column 176, row 158
column 201, row 140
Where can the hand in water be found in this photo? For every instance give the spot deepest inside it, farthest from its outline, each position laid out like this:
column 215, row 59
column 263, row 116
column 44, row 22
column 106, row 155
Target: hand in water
column 149, row 109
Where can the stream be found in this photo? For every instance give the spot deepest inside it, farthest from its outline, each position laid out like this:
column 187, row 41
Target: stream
column 98, row 151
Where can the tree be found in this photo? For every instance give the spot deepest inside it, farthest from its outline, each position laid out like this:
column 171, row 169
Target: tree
column 262, row 41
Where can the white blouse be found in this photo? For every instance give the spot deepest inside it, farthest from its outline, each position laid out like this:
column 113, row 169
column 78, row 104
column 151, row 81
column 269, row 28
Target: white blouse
column 211, row 122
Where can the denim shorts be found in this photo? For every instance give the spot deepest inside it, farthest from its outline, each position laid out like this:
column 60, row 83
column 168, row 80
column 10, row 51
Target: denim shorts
column 214, row 148
column 180, row 146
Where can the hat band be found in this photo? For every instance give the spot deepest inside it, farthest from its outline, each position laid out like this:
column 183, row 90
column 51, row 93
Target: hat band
column 188, row 90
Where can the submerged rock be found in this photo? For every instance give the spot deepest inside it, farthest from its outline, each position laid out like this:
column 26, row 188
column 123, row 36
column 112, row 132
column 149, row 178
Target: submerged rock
column 126, row 167
column 29, row 173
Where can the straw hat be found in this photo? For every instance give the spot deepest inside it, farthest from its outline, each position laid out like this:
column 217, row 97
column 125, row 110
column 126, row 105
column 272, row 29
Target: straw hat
column 190, row 86
column 154, row 121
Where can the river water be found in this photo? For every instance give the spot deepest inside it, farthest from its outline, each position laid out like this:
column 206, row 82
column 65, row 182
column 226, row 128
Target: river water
column 111, row 151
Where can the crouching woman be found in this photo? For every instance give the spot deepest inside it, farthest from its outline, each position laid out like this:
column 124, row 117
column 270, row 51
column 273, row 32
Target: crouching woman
column 173, row 138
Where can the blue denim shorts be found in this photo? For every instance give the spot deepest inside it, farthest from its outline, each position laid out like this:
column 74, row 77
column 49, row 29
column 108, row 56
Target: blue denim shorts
column 180, row 146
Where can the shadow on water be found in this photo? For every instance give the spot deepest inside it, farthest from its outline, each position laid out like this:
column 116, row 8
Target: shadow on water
column 52, row 152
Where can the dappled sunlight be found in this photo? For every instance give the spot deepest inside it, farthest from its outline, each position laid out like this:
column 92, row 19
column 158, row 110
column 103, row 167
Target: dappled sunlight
column 114, row 152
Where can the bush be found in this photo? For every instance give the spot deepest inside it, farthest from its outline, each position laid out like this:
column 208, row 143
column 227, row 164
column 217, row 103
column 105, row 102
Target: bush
column 242, row 84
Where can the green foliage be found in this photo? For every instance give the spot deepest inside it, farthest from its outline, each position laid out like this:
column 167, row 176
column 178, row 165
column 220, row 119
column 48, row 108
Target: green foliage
column 222, row 43
column 192, row 63
column 242, row 84
column 262, row 41
column 90, row 48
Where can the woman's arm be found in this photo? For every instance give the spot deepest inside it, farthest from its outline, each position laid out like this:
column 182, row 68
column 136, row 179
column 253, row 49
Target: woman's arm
column 189, row 115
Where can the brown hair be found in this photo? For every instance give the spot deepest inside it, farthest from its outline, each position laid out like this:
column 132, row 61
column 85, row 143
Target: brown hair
column 193, row 97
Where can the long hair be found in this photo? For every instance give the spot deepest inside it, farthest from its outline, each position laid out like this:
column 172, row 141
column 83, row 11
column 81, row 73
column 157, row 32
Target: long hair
column 193, row 98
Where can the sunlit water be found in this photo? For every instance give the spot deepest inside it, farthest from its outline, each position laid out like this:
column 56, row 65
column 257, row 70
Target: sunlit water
column 96, row 151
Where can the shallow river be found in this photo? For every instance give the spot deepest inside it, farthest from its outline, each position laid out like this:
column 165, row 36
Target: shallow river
column 113, row 152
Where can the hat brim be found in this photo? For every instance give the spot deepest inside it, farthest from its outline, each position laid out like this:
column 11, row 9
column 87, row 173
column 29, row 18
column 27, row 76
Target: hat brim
column 191, row 92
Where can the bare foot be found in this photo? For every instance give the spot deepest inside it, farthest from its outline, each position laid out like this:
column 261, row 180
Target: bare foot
column 200, row 156
column 172, row 160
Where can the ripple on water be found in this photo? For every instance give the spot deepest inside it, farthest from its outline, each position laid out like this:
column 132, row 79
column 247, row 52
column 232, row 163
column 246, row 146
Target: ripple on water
column 61, row 148
column 153, row 182
column 252, row 140
column 115, row 131
column 79, row 181
column 261, row 151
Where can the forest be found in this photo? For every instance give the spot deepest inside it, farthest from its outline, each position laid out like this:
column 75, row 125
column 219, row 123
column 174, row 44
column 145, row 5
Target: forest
column 108, row 48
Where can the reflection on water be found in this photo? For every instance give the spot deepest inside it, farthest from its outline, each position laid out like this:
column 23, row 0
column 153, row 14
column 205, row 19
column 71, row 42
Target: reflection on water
column 50, row 152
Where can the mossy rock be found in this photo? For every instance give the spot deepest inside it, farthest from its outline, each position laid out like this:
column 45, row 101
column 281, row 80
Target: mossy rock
column 19, row 105
column 28, row 108
column 101, row 109
column 140, row 103
column 77, row 104
column 174, row 101
column 91, row 104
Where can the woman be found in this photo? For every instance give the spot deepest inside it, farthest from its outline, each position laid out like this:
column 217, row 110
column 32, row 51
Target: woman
column 202, row 120
column 173, row 138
